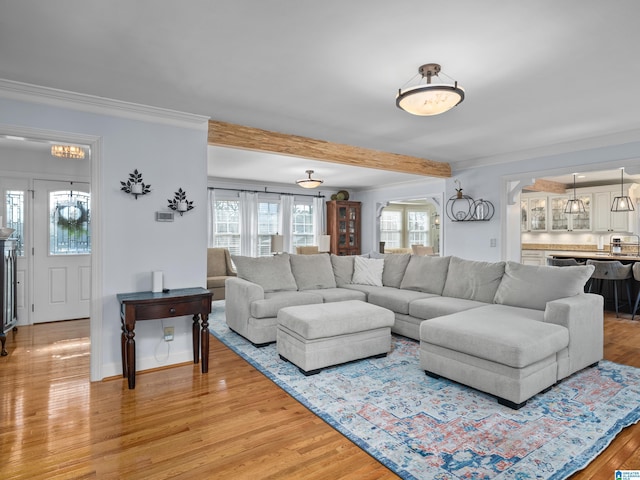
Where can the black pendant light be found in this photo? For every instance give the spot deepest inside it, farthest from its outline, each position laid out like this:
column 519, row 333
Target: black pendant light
column 575, row 206
column 622, row 203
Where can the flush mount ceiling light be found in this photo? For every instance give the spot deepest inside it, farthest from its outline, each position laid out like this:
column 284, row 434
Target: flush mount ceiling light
column 430, row 98
column 575, row 206
column 309, row 182
column 622, row 203
column 67, row 151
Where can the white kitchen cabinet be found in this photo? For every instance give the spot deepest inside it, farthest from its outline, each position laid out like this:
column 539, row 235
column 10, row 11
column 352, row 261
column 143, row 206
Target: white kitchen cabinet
column 567, row 222
column 533, row 214
column 533, row 257
column 604, row 220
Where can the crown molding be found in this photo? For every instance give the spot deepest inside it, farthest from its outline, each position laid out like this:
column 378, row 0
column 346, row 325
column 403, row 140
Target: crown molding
column 100, row 105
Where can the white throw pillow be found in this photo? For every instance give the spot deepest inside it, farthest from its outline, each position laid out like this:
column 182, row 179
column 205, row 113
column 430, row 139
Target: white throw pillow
column 368, row 271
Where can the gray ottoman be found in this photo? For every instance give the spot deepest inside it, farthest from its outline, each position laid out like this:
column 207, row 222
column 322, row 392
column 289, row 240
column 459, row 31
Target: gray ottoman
column 313, row 337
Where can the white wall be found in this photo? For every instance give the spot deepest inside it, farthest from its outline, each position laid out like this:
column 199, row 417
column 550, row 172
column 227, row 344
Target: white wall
column 170, row 151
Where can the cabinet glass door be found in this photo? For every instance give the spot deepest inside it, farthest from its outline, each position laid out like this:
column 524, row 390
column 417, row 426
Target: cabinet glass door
column 538, row 214
column 559, row 219
column 524, row 215
column 582, row 221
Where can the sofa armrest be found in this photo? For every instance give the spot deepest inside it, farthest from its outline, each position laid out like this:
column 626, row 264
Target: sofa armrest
column 239, row 294
column 583, row 316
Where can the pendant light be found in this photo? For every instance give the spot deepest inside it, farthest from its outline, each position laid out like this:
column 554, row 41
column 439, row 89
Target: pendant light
column 575, row 206
column 622, row 203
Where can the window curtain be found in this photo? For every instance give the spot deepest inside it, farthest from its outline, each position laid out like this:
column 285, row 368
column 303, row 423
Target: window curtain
column 212, row 217
column 249, row 224
column 319, row 226
column 286, row 221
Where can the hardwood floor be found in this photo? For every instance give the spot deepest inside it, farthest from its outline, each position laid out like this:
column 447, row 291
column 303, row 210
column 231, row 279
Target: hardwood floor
column 232, row 423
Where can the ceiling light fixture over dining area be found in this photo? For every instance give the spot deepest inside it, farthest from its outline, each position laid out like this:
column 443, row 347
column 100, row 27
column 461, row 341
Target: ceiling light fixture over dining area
column 575, row 206
column 430, row 98
column 309, row 182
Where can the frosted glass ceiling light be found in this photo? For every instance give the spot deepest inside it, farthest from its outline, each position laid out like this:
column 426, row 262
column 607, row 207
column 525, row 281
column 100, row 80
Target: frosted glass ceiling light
column 309, row 182
column 430, row 98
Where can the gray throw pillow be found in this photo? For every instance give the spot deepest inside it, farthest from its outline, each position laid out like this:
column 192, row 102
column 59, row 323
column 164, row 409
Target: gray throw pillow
column 342, row 269
column 395, row 264
column 473, row 280
column 312, row 271
column 531, row 286
column 273, row 274
column 426, row 274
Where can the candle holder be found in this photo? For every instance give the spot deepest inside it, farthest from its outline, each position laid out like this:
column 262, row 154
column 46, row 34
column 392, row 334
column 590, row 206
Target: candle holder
column 179, row 203
column 135, row 186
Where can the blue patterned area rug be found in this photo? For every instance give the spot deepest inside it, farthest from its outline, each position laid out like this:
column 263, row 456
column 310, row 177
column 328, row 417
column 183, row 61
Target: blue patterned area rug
column 422, row 428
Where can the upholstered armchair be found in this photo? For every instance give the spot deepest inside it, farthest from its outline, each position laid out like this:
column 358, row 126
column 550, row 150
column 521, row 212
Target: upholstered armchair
column 219, row 268
column 307, row 250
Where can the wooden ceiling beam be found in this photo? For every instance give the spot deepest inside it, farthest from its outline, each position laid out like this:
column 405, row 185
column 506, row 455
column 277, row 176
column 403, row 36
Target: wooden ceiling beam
column 248, row 138
column 541, row 185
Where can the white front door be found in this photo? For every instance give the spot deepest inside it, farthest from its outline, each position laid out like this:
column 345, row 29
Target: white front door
column 62, row 251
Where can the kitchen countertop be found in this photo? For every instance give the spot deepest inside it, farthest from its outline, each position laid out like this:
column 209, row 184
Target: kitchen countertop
column 599, row 255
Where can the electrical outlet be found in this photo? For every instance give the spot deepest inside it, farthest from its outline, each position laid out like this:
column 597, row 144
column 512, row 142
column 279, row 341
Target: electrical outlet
column 168, row 334
column 493, row 242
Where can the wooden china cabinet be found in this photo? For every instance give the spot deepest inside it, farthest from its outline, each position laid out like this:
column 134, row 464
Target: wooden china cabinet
column 343, row 224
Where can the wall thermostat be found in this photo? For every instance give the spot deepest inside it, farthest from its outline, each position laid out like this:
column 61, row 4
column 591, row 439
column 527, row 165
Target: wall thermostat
column 164, row 216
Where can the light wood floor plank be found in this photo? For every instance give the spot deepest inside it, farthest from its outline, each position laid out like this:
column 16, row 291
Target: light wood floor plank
column 179, row 424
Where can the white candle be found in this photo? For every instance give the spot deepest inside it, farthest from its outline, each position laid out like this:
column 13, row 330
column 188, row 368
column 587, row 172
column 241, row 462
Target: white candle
column 182, row 206
column 136, row 188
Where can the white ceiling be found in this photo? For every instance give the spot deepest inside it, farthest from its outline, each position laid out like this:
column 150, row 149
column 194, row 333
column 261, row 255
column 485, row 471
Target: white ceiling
column 330, row 70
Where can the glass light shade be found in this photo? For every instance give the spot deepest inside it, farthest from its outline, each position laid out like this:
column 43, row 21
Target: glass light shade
column 430, row 99
column 622, row 203
column 67, row 151
column 575, row 206
column 309, row 182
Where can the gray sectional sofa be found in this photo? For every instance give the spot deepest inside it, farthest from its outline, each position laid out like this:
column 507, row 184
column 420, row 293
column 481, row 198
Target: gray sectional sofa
column 504, row 328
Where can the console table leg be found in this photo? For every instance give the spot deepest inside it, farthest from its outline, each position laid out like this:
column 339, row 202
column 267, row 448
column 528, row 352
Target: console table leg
column 195, row 332
column 123, row 353
column 204, row 332
column 131, row 359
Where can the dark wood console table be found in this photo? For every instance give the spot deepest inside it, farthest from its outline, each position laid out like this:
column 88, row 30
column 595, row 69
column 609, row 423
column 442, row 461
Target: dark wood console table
column 151, row 306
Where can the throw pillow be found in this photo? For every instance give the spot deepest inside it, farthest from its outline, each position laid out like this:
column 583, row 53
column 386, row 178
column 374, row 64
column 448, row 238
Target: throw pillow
column 273, row 274
column 312, row 271
column 530, row 286
column 368, row 271
column 395, row 264
column 342, row 269
column 426, row 274
column 473, row 280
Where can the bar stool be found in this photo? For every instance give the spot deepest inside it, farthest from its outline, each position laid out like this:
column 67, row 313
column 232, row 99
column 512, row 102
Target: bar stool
column 563, row 262
column 614, row 271
column 636, row 277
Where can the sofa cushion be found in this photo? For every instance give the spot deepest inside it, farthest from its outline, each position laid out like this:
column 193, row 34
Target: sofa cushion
column 339, row 294
column 473, row 280
column 508, row 335
column 533, row 286
column 395, row 299
column 395, row 264
column 312, row 271
column 426, row 274
column 273, row 273
column 274, row 301
column 342, row 269
column 367, row 271
column 432, row 307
